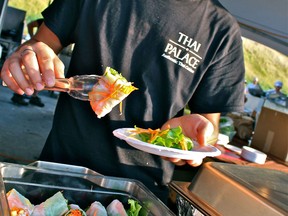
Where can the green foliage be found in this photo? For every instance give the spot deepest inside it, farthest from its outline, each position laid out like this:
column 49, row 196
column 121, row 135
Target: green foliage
column 170, row 138
column 134, row 209
column 33, row 8
column 266, row 64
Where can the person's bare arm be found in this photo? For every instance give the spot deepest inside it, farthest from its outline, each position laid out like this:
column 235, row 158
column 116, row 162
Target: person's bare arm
column 34, row 64
column 31, row 26
column 45, row 35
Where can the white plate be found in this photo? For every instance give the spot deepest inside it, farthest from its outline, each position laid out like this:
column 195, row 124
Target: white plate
column 196, row 152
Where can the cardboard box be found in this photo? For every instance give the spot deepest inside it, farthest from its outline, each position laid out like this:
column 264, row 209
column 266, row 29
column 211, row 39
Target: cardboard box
column 271, row 133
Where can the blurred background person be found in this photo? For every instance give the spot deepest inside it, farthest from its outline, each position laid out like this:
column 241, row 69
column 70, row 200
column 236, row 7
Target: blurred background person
column 276, row 95
column 276, row 92
column 254, row 88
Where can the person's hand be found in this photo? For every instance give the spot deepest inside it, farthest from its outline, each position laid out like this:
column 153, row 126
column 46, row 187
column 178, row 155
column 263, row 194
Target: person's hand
column 32, row 66
column 194, row 126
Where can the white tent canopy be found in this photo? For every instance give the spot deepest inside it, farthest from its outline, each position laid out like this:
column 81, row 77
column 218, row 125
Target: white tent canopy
column 264, row 21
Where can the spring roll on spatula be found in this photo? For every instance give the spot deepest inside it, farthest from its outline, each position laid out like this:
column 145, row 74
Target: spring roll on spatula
column 110, row 91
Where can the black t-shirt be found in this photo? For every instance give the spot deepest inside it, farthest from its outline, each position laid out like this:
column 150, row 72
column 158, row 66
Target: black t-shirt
column 175, row 52
column 40, row 21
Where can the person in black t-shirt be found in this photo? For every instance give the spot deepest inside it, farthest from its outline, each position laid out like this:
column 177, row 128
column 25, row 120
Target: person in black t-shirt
column 176, row 53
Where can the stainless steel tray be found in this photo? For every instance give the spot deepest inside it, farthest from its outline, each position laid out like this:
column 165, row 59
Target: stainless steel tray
column 4, row 210
column 229, row 189
column 41, row 180
column 63, row 167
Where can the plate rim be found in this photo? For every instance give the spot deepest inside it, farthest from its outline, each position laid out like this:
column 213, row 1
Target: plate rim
column 121, row 133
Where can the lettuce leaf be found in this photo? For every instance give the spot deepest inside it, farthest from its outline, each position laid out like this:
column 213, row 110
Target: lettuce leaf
column 171, row 138
column 134, row 209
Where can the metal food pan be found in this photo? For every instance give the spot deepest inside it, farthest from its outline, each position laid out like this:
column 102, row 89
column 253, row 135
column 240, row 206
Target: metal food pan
column 80, row 186
column 63, row 167
column 4, row 210
column 230, row 189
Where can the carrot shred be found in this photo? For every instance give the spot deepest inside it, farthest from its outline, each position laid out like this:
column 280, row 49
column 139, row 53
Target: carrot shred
column 154, row 134
column 111, row 92
column 75, row 212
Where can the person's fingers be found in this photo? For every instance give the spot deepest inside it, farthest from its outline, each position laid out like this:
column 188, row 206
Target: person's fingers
column 45, row 57
column 204, row 131
column 31, row 66
column 196, row 162
column 171, row 123
column 30, row 63
column 196, row 127
column 179, row 162
column 8, row 80
column 13, row 73
column 190, row 124
column 59, row 68
column 176, row 161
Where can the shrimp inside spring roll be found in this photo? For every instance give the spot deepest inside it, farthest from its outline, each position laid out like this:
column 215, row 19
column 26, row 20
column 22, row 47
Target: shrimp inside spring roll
column 111, row 90
column 18, row 204
column 75, row 210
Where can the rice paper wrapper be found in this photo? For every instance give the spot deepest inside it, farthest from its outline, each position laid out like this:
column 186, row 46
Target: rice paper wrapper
column 18, row 204
column 116, row 208
column 96, row 208
column 55, row 205
column 75, row 210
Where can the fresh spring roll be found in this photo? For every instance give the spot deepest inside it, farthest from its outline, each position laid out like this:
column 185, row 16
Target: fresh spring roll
column 75, row 210
column 110, row 90
column 96, row 208
column 18, row 204
column 116, row 208
column 55, row 205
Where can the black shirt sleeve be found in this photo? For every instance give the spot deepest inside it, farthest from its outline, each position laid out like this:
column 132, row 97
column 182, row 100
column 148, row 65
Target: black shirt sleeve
column 61, row 17
column 222, row 87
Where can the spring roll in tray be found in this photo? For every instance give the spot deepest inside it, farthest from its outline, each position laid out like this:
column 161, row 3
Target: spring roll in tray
column 57, row 205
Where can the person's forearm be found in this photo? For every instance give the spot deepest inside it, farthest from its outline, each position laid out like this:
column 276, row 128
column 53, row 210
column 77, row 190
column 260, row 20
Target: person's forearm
column 30, row 32
column 45, row 35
